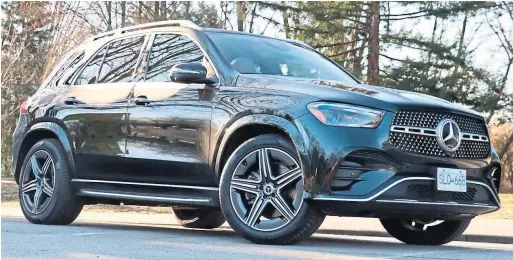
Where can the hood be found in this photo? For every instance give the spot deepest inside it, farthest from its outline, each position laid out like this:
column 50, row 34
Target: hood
column 358, row 94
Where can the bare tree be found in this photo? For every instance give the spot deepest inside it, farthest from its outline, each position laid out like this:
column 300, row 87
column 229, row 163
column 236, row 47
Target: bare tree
column 505, row 42
column 373, row 48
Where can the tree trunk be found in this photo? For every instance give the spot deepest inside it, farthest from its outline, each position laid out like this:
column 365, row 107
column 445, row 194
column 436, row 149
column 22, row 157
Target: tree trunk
column 506, row 146
column 286, row 27
column 139, row 12
column 163, row 10
column 241, row 13
column 188, row 10
column 503, row 86
column 108, row 6
column 123, row 13
column 253, row 14
column 373, row 48
column 156, row 15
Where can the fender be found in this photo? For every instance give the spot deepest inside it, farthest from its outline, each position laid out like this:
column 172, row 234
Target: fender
column 281, row 123
column 63, row 137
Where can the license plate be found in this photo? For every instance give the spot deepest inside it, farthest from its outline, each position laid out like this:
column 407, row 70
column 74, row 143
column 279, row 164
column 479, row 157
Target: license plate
column 451, row 180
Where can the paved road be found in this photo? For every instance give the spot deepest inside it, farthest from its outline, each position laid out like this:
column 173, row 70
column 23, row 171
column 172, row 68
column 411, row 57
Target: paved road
column 91, row 240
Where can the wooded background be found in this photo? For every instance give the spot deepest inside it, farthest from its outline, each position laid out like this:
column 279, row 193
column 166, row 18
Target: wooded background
column 458, row 51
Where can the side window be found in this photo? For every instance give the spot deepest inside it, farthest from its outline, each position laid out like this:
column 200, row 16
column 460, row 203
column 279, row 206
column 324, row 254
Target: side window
column 90, row 72
column 63, row 75
column 120, row 60
column 171, row 49
column 63, row 72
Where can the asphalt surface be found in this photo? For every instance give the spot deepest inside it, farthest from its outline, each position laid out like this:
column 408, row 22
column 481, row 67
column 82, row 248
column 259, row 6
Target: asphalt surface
column 92, row 240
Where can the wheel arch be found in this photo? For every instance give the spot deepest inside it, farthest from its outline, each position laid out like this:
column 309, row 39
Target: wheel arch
column 250, row 126
column 39, row 131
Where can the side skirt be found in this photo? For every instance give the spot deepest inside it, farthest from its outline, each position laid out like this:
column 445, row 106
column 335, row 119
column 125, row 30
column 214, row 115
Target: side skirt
column 145, row 194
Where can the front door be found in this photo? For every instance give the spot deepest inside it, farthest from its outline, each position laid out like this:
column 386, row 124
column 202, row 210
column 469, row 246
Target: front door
column 169, row 123
column 94, row 109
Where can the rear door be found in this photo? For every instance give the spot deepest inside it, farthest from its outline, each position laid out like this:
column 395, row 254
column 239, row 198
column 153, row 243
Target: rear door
column 94, row 108
column 169, row 123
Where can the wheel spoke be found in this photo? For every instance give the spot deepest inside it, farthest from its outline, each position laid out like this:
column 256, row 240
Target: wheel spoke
column 264, row 165
column 283, row 207
column 288, row 177
column 46, row 166
column 37, row 199
column 29, row 186
column 245, row 185
column 47, row 189
column 255, row 212
column 35, row 167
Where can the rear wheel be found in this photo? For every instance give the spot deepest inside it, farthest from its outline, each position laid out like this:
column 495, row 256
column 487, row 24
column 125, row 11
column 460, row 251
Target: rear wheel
column 421, row 232
column 261, row 193
column 46, row 196
column 206, row 218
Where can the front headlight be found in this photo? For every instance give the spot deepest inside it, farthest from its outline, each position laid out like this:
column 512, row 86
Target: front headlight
column 335, row 114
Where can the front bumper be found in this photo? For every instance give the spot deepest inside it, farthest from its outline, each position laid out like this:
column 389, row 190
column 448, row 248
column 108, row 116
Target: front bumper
column 358, row 172
column 414, row 197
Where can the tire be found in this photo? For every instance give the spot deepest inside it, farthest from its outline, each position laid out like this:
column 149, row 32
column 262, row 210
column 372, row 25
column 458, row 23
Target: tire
column 439, row 234
column 279, row 226
column 60, row 205
column 204, row 218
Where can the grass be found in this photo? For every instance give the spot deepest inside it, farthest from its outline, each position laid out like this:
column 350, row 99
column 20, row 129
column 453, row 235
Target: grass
column 10, row 197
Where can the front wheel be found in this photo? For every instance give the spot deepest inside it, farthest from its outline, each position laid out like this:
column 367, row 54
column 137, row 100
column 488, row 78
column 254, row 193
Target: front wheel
column 261, row 193
column 422, row 232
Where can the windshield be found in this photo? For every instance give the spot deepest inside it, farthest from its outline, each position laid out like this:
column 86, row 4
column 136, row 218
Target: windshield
column 260, row 55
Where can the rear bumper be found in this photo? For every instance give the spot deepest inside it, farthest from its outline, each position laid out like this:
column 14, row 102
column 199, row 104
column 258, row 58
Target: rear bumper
column 414, row 197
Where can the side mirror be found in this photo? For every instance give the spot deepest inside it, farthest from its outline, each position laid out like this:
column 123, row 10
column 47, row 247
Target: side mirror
column 191, row 73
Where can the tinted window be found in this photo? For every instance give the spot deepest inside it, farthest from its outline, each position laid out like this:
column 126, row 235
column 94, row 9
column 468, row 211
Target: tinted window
column 120, row 61
column 90, row 72
column 262, row 55
column 168, row 50
column 64, row 71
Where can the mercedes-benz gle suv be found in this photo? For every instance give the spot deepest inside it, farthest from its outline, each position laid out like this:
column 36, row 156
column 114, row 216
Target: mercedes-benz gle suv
column 265, row 133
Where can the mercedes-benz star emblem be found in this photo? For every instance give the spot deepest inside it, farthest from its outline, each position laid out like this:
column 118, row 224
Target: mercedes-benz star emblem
column 448, row 136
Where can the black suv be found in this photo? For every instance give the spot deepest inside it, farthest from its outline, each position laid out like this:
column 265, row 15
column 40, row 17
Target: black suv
column 266, row 133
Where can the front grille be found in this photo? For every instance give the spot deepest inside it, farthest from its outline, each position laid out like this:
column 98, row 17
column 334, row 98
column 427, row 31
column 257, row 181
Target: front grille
column 427, row 144
column 427, row 119
column 427, row 192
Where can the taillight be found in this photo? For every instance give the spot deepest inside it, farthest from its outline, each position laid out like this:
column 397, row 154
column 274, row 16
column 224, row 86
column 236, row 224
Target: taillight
column 24, row 107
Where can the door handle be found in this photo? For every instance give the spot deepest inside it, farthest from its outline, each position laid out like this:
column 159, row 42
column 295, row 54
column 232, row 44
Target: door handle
column 142, row 101
column 72, row 101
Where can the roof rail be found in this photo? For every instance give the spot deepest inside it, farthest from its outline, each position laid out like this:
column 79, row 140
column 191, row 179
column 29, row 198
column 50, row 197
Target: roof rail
column 183, row 23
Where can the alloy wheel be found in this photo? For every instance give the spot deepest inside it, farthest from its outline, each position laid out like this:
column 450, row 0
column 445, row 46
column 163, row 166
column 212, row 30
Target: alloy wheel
column 266, row 189
column 38, row 182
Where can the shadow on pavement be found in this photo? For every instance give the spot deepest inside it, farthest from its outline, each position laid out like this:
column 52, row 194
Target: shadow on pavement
column 149, row 241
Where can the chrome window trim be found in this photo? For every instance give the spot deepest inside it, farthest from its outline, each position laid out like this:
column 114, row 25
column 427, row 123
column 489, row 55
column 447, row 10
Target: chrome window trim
column 432, row 132
column 146, row 184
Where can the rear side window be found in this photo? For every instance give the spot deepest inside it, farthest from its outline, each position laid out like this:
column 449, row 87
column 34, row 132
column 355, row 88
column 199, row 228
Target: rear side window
column 171, row 49
column 120, row 60
column 64, row 71
column 90, row 73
